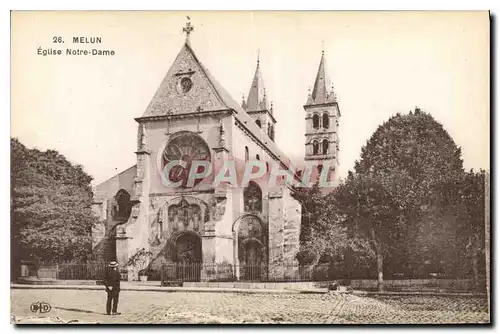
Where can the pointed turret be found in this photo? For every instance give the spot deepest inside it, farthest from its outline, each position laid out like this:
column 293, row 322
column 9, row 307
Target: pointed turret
column 257, row 99
column 309, row 97
column 243, row 103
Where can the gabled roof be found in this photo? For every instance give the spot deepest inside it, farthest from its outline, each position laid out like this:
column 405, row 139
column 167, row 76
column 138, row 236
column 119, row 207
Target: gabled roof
column 220, row 99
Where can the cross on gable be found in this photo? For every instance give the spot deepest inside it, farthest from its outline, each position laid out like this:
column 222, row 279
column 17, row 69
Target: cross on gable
column 188, row 29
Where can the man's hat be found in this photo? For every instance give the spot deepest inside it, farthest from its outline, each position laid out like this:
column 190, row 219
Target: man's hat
column 113, row 264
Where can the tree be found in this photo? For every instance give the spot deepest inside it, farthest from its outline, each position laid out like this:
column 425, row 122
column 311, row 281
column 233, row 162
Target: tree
column 404, row 169
column 311, row 200
column 369, row 215
column 51, row 215
column 418, row 160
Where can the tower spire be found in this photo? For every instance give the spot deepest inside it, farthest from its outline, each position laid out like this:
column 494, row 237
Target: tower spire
column 257, row 99
column 319, row 93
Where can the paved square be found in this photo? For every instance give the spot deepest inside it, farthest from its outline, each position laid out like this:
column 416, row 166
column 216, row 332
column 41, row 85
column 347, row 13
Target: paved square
column 88, row 306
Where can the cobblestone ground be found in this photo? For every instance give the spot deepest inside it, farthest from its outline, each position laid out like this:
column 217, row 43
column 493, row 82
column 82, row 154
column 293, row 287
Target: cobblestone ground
column 86, row 306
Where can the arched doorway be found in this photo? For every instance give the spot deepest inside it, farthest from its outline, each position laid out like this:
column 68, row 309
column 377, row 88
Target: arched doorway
column 187, row 257
column 250, row 248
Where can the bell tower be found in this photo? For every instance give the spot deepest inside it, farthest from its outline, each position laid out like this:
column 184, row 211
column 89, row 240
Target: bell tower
column 322, row 121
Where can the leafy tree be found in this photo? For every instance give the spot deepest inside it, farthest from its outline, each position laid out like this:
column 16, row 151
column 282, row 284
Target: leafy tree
column 403, row 177
column 51, row 216
column 318, row 238
column 366, row 210
column 311, row 199
column 417, row 160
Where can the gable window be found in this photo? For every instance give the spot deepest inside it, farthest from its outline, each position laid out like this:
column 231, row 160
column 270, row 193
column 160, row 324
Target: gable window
column 185, row 85
column 258, row 123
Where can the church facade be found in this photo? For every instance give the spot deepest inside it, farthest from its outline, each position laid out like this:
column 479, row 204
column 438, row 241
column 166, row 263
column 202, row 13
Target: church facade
column 224, row 228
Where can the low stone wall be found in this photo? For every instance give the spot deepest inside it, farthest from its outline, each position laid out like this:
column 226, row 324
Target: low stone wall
column 252, row 285
column 415, row 284
column 50, row 281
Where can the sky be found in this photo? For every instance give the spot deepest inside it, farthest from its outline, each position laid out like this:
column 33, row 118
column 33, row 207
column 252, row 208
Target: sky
column 380, row 63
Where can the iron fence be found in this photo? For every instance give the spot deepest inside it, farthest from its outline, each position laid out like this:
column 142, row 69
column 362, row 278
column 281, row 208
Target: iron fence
column 178, row 273
column 222, row 272
column 72, row 271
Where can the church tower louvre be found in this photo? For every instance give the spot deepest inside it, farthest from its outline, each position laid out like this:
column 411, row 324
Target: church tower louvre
column 258, row 106
column 322, row 121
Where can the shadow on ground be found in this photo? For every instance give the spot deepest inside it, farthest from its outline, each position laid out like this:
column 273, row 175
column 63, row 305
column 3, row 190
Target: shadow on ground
column 77, row 310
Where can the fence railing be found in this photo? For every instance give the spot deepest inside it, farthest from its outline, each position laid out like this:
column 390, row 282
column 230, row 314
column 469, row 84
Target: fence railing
column 177, row 273
column 72, row 271
column 194, row 272
column 186, row 272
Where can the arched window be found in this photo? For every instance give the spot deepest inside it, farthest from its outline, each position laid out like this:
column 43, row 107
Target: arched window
column 246, row 153
column 326, row 121
column 123, row 206
column 272, row 132
column 252, row 197
column 315, row 121
column 257, row 157
column 258, row 123
column 325, row 146
column 315, row 147
column 269, row 129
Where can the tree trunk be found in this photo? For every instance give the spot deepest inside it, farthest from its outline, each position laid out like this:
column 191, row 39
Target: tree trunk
column 380, row 262
column 475, row 270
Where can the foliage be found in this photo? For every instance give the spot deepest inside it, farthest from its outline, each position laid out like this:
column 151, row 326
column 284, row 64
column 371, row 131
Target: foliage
column 311, row 199
column 51, row 217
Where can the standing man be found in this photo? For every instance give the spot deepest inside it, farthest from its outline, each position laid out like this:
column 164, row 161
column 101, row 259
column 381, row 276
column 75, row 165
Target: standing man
column 112, row 284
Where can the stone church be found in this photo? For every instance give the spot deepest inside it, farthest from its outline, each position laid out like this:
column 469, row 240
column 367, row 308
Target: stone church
column 226, row 230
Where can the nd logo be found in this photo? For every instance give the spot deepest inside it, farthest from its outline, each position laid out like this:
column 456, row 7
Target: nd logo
column 40, row 307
